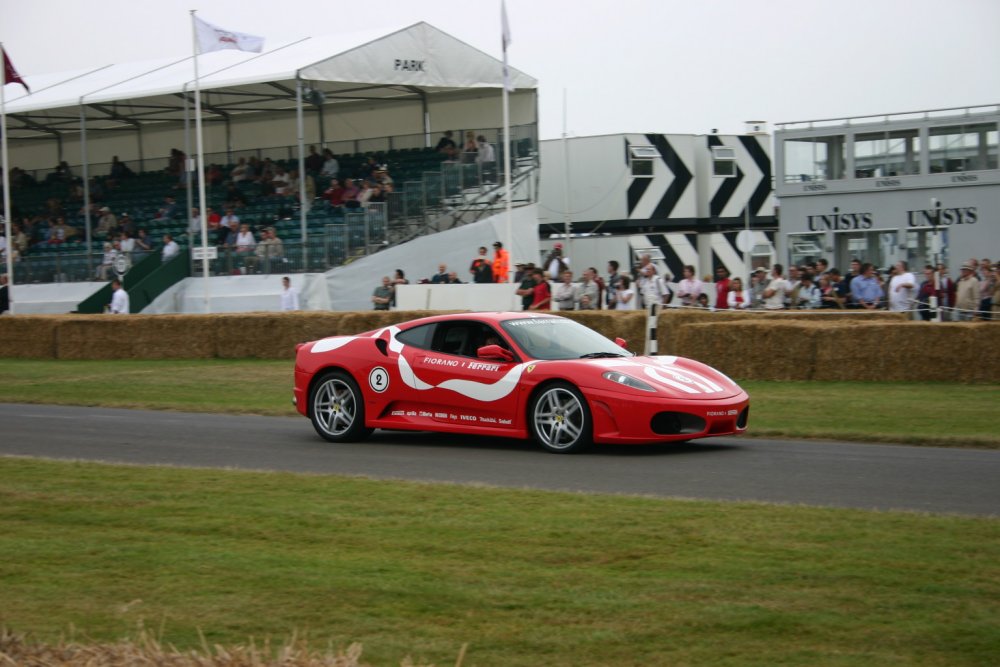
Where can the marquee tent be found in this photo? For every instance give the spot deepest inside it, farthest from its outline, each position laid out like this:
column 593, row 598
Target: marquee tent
column 135, row 109
column 412, row 64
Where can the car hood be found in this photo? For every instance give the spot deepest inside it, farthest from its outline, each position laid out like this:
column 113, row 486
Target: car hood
column 676, row 377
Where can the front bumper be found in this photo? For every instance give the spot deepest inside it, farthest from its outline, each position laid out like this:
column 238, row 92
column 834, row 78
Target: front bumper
column 630, row 419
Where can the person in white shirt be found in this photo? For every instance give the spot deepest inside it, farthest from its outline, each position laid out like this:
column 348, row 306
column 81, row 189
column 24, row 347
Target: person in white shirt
column 564, row 294
column 690, row 287
column 487, row 159
column 119, row 299
column 127, row 243
column 229, row 219
column 737, row 297
column 289, row 295
column 902, row 288
column 107, row 260
column 170, row 247
column 774, row 293
column 555, row 263
column 625, row 296
column 330, row 165
column 194, row 224
column 652, row 287
column 245, row 241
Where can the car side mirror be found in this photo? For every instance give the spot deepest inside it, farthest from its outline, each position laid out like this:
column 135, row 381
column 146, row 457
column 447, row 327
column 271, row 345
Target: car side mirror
column 494, row 352
column 621, row 342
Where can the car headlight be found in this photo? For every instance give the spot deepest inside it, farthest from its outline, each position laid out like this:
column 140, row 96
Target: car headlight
column 627, row 380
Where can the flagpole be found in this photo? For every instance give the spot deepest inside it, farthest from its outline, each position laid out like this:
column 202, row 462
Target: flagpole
column 200, row 148
column 505, row 39
column 6, row 184
column 567, row 217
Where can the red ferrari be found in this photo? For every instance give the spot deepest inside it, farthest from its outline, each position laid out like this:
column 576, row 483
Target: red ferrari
column 515, row 375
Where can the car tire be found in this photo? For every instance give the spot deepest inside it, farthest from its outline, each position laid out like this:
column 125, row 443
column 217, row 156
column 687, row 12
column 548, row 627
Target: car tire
column 560, row 419
column 337, row 408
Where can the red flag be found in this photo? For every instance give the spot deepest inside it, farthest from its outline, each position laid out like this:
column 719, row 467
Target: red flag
column 10, row 74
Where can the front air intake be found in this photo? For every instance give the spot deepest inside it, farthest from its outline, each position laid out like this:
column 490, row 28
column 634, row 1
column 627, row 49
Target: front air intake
column 676, row 423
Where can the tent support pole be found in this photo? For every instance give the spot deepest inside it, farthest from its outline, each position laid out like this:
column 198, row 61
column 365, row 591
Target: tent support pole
column 427, row 119
column 86, row 184
column 321, row 121
column 229, row 138
column 187, row 152
column 142, row 159
column 300, row 131
column 509, row 236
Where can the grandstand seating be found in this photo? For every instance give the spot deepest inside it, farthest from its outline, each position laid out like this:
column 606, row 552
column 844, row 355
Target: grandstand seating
column 422, row 182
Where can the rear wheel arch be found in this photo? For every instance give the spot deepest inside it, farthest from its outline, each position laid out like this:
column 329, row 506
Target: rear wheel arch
column 343, row 402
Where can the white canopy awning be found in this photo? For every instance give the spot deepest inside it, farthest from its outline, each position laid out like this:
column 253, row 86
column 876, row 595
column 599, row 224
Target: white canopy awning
column 369, row 65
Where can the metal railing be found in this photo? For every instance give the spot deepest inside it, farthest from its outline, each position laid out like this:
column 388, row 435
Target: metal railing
column 521, row 135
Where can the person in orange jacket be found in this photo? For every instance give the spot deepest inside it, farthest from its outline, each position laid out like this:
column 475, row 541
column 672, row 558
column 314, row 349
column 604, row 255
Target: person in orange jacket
column 501, row 263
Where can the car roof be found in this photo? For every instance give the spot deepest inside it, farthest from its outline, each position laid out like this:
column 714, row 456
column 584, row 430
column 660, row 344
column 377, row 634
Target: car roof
column 491, row 317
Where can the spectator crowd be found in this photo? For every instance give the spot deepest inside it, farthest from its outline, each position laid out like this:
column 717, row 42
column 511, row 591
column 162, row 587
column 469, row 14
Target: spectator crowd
column 553, row 285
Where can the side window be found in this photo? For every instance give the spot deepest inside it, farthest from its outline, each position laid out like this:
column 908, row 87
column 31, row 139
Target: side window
column 464, row 338
column 488, row 336
column 418, row 336
column 453, row 338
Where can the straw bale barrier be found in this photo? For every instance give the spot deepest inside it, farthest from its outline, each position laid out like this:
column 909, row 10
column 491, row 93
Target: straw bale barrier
column 224, row 336
column 672, row 319
column 915, row 351
column 845, row 350
column 29, row 338
column 794, row 346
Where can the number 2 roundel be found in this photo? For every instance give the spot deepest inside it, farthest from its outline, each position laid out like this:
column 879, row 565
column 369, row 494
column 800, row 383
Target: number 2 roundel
column 378, row 379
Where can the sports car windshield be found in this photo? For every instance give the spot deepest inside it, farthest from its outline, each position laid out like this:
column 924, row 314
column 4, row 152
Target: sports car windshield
column 558, row 338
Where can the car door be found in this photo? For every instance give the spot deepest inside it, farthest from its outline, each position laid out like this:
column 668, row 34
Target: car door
column 462, row 389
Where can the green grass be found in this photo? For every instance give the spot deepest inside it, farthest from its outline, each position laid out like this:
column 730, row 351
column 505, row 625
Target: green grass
column 913, row 413
column 525, row 577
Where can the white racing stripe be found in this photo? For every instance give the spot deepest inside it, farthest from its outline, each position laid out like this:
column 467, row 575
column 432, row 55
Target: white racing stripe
column 686, row 388
column 330, row 344
column 481, row 391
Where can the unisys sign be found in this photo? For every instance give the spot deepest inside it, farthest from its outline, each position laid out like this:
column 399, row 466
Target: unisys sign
column 940, row 216
column 935, row 216
column 840, row 222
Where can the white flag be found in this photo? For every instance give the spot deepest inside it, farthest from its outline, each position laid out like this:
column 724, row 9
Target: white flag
column 213, row 38
column 505, row 39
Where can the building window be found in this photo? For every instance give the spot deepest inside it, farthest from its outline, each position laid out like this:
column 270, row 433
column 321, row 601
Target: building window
column 963, row 148
column 814, row 159
column 723, row 161
column 881, row 154
column 641, row 160
column 805, row 248
column 881, row 248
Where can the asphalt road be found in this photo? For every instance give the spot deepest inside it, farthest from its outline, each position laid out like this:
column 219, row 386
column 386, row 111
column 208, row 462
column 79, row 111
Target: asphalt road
column 835, row 474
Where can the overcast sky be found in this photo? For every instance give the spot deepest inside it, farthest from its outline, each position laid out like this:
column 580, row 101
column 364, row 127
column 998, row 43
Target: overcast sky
column 666, row 66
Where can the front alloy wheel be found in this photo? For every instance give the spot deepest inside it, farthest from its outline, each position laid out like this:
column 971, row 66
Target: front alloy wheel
column 560, row 419
column 337, row 408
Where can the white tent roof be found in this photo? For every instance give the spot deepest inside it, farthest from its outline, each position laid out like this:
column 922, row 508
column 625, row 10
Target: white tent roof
column 415, row 60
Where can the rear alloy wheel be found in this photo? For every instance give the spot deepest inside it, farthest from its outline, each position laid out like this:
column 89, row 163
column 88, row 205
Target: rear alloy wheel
column 337, row 408
column 560, row 419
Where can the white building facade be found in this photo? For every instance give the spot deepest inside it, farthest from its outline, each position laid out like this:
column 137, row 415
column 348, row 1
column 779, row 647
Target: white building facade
column 682, row 198
column 914, row 186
